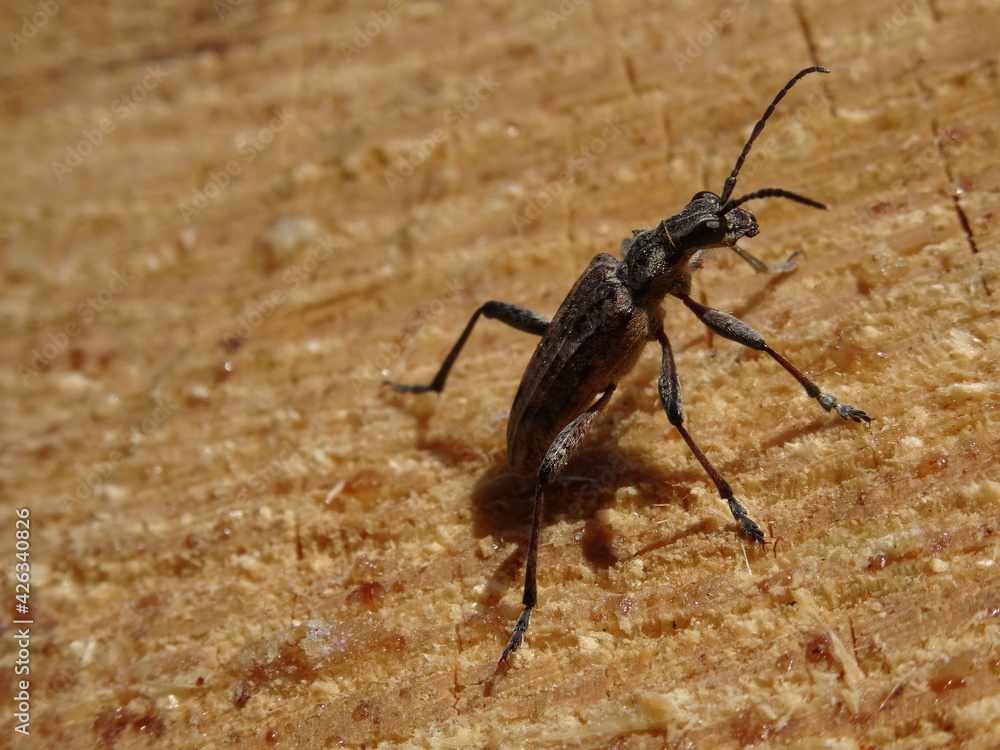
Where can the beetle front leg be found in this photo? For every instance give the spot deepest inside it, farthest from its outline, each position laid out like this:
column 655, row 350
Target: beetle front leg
column 670, row 395
column 515, row 316
column 555, row 459
column 761, row 267
column 734, row 329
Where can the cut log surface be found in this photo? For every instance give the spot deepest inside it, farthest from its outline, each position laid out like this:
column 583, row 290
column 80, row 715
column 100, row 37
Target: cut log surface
column 223, row 225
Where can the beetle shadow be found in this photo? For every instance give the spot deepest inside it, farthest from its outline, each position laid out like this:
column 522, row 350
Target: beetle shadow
column 502, row 505
column 763, row 294
column 502, row 501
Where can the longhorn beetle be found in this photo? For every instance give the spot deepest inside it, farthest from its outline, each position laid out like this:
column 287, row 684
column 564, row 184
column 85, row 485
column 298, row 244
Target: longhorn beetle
column 597, row 334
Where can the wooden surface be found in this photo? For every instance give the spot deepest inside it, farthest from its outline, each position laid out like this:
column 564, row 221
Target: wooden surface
column 239, row 538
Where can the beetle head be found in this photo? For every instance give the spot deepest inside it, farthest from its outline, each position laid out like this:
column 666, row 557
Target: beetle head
column 656, row 261
column 707, row 222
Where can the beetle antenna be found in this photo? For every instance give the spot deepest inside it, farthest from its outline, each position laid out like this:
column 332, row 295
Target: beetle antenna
column 773, row 193
column 730, row 185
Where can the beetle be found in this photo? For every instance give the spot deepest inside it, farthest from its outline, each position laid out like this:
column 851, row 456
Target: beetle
column 595, row 338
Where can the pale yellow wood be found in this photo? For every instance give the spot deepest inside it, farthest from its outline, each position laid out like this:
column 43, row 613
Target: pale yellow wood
column 238, row 537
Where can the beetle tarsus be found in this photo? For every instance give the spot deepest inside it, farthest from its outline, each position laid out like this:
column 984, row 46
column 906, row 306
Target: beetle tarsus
column 750, row 527
column 403, row 388
column 761, row 267
column 517, row 637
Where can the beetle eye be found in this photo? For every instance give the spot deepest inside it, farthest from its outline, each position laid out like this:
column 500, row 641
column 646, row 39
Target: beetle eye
column 710, row 231
column 704, row 194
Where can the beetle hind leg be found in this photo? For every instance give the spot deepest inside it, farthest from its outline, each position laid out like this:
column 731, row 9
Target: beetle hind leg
column 555, row 459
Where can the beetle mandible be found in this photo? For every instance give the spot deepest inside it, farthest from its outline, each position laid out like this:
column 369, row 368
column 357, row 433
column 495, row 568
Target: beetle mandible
column 596, row 336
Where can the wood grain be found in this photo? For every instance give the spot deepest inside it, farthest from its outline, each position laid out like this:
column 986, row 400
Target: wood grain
column 238, row 537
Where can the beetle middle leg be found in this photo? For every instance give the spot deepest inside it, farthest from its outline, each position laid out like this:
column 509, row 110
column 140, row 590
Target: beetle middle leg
column 555, row 459
column 734, row 329
column 670, row 395
column 515, row 316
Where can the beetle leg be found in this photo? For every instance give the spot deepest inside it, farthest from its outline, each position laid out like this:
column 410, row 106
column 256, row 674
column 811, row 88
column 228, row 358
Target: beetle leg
column 515, row 316
column 734, row 329
column 761, row 267
column 555, row 459
column 670, row 395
